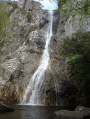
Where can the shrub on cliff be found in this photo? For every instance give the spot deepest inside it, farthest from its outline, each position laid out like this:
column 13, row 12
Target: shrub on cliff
column 4, row 23
column 29, row 17
column 77, row 49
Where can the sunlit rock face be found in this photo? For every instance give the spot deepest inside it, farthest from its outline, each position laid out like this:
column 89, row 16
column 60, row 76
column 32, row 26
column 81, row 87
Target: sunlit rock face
column 21, row 3
column 28, row 56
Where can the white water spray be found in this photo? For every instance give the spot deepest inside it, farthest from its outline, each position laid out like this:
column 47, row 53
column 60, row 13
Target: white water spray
column 37, row 79
column 48, row 4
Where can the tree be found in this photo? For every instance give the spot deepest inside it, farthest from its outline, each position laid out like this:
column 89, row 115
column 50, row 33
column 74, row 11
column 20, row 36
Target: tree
column 77, row 49
column 75, row 7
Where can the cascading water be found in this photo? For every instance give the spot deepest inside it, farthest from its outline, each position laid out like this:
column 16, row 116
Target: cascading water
column 37, row 79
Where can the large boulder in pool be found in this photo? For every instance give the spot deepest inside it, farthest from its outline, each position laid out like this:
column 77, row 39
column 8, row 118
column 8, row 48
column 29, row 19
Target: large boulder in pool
column 69, row 114
column 4, row 108
column 80, row 112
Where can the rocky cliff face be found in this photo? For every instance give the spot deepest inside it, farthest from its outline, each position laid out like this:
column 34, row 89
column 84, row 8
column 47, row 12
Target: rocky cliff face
column 28, row 22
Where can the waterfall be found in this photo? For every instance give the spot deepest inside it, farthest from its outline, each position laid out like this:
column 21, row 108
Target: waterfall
column 34, row 86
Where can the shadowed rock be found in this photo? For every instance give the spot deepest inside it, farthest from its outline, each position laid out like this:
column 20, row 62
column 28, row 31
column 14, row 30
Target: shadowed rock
column 79, row 113
column 69, row 114
column 4, row 108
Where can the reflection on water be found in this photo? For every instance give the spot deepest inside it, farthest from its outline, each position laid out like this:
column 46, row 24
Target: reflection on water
column 31, row 112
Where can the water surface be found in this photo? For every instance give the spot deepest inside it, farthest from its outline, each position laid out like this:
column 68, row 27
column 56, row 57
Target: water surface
column 31, row 112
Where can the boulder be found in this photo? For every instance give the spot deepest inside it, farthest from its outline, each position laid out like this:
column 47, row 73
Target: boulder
column 84, row 110
column 80, row 112
column 69, row 114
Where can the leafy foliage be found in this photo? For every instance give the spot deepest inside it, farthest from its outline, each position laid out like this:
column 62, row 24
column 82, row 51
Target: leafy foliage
column 77, row 49
column 75, row 7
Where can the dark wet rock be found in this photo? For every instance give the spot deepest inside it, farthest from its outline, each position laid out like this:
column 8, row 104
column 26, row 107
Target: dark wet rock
column 69, row 114
column 84, row 110
column 80, row 112
column 4, row 108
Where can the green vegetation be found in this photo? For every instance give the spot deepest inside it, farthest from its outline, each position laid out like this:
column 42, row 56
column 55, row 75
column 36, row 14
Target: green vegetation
column 77, row 49
column 75, row 7
column 4, row 23
column 29, row 17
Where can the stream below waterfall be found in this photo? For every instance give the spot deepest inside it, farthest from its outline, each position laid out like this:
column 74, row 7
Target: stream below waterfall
column 32, row 112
